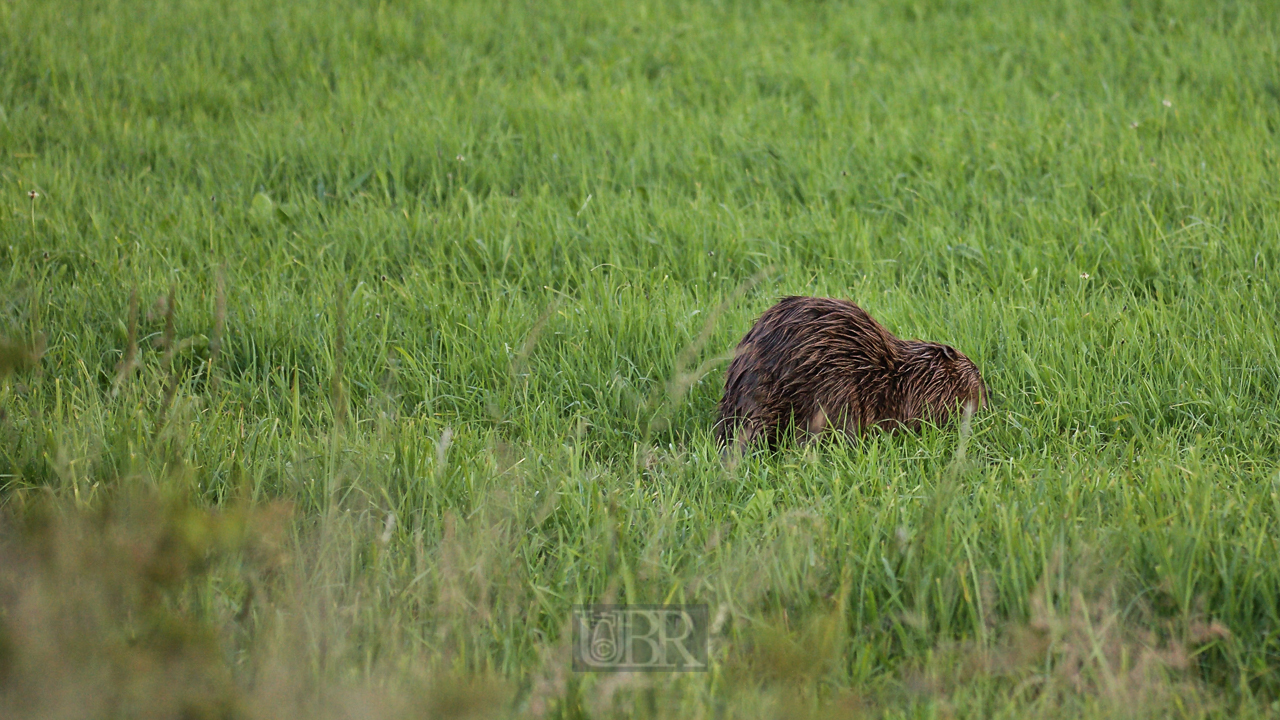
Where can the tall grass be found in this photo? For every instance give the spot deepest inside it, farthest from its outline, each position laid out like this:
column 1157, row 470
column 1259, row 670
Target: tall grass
column 347, row 345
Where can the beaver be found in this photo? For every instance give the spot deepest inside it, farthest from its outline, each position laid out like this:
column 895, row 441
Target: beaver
column 825, row 364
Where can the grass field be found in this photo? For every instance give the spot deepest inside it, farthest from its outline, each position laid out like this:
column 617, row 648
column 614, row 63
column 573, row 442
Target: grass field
column 347, row 345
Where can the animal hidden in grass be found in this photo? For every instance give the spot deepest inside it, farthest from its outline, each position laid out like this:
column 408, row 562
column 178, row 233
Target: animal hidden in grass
column 825, row 364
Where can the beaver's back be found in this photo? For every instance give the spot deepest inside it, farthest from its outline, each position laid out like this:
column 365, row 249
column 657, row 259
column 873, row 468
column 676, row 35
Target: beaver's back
column 819, row 360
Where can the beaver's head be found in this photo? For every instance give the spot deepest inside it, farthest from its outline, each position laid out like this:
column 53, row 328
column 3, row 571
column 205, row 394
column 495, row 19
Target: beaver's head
column 936, row 380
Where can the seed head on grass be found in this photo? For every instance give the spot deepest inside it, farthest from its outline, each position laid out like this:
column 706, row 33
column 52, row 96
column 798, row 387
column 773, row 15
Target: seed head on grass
column 129, row 362
column 32, row 194
column 337, row 385
column 170, row 343
column 219, row 325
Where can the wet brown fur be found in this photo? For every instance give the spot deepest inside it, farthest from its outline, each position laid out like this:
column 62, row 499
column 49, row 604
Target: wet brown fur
column 827, row 364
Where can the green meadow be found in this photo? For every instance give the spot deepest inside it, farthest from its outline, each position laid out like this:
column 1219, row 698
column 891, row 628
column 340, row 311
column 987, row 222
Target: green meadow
column 346, row 346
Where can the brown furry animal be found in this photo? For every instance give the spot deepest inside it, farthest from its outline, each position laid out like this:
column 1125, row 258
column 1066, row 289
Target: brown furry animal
column 826, row 363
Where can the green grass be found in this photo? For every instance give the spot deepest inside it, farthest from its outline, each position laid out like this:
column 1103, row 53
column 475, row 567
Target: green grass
column 481, row 265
